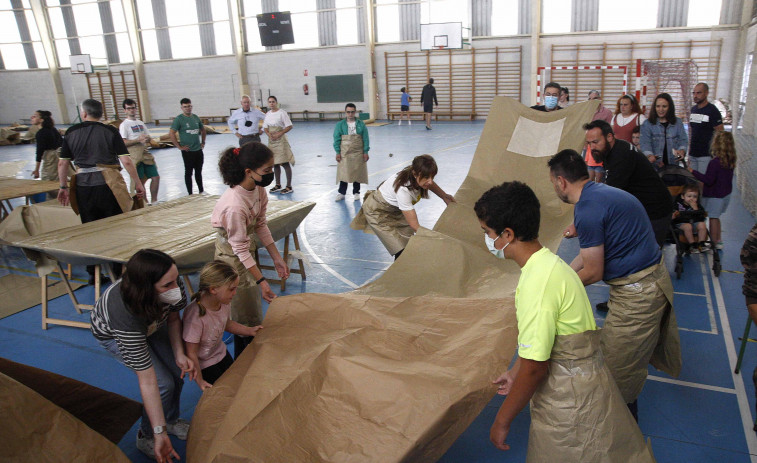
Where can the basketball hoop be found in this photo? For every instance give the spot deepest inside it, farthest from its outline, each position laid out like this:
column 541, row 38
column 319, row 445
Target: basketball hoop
column 439, row 47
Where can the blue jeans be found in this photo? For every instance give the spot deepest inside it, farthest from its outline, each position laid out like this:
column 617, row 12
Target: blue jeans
column 168, row 374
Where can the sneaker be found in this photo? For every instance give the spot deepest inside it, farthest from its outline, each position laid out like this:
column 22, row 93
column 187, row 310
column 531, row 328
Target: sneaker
column 602, row 307
column 409, row 122
column 286, row 190
column 179, row 428
column 719, row 245
column 339, row 197
column 356, row 196
column 694, row 249
column 400, row 122
column 275, row 189
column 428, row 128
column 704, row 247
column 146, row 444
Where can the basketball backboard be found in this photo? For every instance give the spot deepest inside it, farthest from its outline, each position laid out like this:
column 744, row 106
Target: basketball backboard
column 441, row 36
column 80, row 64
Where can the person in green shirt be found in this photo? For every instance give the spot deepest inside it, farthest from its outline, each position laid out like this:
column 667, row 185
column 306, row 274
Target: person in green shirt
column 577, row 413
column 191, row 141
column 351, row 145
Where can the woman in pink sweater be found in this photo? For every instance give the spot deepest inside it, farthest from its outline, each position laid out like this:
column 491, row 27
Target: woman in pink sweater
column 239, row 217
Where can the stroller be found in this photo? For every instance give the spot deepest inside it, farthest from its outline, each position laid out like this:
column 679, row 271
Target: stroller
column 675, row 178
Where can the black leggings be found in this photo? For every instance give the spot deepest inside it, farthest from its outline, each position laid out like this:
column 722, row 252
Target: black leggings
column 213, row 372
column 277, row 173
column 193, row 161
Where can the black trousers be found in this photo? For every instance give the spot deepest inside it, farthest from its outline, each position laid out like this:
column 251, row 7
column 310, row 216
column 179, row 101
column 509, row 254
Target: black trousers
column 213, row 372
column 660, row 227
column 343, row 188
column 249, row 138
column 95, row 203
column 193, row 161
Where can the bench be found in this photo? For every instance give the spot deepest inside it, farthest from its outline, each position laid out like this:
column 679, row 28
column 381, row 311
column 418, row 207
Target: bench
column 470, row 115
column 308, row 115
column 204, row 119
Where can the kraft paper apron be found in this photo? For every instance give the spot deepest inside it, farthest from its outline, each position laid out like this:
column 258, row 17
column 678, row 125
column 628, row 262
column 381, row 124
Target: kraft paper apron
column 352, row 168
column 116, row 183
column 578, row 414
column 386, row 221
column 49, row 169
column 282, row 152
column 139, row 153
column 640, row 328
column 247, row 306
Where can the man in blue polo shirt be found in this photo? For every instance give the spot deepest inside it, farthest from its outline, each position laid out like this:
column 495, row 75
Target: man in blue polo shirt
column 618, row 246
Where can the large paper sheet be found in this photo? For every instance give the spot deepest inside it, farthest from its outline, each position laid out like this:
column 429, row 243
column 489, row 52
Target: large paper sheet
column 17, row 187
column 396, row 370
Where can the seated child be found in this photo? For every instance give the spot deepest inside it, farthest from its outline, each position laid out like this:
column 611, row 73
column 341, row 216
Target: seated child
column 688, row 216
column 207, row 317
column 636, row 137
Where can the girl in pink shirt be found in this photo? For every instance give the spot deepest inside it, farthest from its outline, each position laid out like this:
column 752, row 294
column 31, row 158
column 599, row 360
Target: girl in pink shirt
column 207, row 318
column 239, row 217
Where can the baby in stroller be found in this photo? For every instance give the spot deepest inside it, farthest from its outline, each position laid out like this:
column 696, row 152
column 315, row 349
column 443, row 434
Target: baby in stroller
column 689, row 217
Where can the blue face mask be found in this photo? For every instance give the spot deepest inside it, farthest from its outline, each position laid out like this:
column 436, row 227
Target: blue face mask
column 550, row 102
column 490, row 245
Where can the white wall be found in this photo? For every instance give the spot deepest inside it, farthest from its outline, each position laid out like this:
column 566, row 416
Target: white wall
column 24, row 92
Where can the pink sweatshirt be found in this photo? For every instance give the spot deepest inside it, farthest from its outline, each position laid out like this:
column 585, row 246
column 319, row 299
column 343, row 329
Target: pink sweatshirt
column 234, row 212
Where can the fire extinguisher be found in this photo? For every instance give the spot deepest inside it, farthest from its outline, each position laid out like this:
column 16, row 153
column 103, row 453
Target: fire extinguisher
column 305, row 89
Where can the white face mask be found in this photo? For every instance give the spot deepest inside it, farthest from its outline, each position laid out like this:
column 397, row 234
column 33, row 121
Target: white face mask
column 493, row 249
column 171, row 297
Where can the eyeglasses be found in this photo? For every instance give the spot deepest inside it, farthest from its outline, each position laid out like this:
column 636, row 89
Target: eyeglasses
column 351, row 112
column 130, row 107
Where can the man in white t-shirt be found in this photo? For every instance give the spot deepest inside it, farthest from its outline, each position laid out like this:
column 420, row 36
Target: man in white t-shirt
column 137, row 139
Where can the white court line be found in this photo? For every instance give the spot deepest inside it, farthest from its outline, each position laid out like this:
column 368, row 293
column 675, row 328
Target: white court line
column 738, row 380
column 697, row 331
column 689, row 294
column 690, row 384
column 710, row 309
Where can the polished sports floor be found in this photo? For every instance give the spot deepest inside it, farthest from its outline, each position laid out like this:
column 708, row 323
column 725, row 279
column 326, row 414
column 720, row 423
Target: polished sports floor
column 705, row 415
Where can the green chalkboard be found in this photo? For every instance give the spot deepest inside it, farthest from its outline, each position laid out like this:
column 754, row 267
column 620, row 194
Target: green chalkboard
column 347, row 88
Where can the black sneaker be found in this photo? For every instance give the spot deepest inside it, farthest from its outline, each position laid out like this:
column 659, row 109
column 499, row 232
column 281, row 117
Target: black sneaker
column 602, row 307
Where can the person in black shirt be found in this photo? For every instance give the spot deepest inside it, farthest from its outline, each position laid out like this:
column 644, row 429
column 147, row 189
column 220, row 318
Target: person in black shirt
column 428, row 100
column 704, row 121
column 629, row 170
column 551, row 98
column 48, row 141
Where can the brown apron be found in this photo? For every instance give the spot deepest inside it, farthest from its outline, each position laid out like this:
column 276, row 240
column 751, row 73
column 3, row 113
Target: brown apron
column 352, row 168
column 116, row 183
column 246, row 307
column 139, row 153
column 384, row 220
column 49, row 170
column 640, row 328
column 578, row 414
column 282, row 152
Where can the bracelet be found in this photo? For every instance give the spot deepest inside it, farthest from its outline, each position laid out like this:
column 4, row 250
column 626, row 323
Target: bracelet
column 65, row 187
column 262, row 279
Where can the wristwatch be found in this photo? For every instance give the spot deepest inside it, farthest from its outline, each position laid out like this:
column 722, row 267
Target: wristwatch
column 158, row 429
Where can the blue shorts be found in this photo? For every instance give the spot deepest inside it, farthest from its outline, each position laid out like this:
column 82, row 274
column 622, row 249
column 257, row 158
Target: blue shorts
column 599, row 169
column 715, row 207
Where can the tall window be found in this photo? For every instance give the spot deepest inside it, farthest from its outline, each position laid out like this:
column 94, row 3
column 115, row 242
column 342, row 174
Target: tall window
column 20, row 45
column 304, row 23
column 183, row 28
column 94, row 27
column 616, row 15
column 555, row 16
column 250, row 10
column 505, row 17
column 704, row 12
column 387, row 21
column 445, row 11
column 347, row 17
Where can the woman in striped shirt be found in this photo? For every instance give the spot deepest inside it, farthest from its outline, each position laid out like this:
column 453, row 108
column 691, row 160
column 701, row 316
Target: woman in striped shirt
column 137, row 321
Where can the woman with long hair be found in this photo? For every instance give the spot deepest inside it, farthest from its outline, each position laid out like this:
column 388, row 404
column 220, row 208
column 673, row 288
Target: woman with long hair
column 240, row 218
column 627, row 117
column 137, row 321
column 49, row 142
column 389, row 211
column 663, row 138
column 718, row 182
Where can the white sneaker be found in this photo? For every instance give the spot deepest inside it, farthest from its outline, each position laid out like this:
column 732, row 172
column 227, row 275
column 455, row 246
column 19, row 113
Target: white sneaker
column 356, row 196
column 179, row 428
column 409, row 122
column 339, row 197
column 146, row 444
column 400, row 122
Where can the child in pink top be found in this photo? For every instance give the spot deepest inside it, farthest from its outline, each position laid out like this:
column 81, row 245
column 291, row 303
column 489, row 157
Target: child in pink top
column 207, row 318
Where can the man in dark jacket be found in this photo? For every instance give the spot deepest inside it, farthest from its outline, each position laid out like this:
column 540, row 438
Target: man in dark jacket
column 428, row 100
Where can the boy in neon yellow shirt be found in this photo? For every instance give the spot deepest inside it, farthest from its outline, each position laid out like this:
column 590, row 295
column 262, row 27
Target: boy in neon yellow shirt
column 577, row 413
